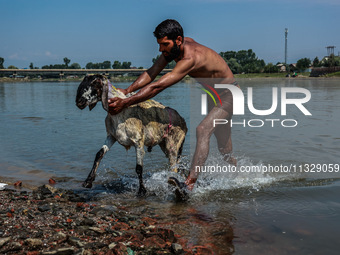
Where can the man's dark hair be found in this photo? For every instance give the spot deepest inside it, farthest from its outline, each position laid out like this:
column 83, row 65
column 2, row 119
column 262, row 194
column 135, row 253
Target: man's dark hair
column 170, row 28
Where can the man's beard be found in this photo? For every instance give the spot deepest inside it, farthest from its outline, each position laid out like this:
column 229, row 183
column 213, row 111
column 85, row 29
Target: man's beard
column 174, row 53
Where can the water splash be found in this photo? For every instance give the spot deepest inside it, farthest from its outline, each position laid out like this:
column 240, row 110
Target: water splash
column 209, row 183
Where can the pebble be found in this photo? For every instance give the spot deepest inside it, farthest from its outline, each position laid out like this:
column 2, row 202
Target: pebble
column 4, row 241
column 33, row 242
column 112, row 245
column 176, row 248
column 15, row 246
column 44, row 208
column 106, row 210
column 97, row 230
column 60, row 236
column 18, row 184
column 51, row 181
column 47, row 221
column 61, row 251
column 87, row 222
column 75, row 242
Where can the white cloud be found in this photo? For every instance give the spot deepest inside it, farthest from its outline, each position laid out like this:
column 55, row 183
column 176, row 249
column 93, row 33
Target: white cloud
column 50, row 55
column 16, row 56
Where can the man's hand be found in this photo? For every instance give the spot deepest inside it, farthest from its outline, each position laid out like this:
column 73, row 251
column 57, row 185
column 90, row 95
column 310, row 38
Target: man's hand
column 123, row 90
column 116, row 105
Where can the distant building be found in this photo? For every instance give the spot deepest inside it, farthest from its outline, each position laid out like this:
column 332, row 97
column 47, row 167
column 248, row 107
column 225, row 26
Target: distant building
column 282, row 67
column 292, row 67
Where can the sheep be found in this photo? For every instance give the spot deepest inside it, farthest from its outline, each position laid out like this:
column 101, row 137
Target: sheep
column 148, row 123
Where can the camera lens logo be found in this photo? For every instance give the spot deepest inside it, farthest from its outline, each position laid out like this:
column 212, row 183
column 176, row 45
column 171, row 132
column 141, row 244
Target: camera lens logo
column 204, row 98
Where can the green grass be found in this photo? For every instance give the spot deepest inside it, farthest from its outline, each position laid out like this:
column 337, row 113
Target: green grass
column 261, row 75
column 269, row 75
column 336, row 74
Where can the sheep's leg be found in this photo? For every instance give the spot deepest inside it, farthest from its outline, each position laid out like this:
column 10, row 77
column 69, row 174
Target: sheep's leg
column 179, row 154
column 139, row 169
column 172, row 153
column 173, row 149
column 173, row 163
column 100, row 154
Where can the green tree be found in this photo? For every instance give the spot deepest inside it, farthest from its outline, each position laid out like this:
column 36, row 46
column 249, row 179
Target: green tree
column 56, row 66
column 12, row 67
column 234, row 66
column 31, row 66
column 126, row 65
column 170, row 65
column 106, row 65
column 117, row 65
column 66, row 61
column 102, row 65
column 331, row 61
column 242, row 57
column 270, row 68
column 316, row 62
column 303, row 63
column 89, row 65
column 228, row 55
column 337, row 61
column 75, row 66
column 2, row 60
column 247, row 59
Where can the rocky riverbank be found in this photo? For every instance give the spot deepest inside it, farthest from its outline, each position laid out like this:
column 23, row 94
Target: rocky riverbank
column 54, row 221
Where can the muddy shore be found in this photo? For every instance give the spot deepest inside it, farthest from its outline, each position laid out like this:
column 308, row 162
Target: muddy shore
column 55, row 221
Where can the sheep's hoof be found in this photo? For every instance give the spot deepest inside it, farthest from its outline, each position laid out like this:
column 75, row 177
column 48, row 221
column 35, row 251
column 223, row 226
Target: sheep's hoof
column 87, row 185
column 141, row 191
column 181, row 191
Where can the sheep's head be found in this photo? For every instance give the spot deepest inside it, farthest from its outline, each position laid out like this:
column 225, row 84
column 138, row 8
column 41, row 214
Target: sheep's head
column 90, row 91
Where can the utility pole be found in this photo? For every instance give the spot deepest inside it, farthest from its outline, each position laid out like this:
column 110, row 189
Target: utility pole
column 286, row 47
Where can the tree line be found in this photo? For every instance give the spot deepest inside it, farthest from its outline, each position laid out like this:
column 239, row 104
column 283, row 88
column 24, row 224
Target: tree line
column 243, row 61
column 246, row 61
column 66, row 65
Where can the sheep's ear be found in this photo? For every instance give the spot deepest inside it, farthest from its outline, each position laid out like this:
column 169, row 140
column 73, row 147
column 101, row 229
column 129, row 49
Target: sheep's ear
column 105, row 97
column 91, row 106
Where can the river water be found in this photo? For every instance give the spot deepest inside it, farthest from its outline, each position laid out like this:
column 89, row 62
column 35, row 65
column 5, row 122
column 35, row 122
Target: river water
column 43, row 135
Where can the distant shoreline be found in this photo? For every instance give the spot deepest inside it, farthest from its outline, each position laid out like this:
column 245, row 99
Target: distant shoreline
column 79, row 79
column 133, row 78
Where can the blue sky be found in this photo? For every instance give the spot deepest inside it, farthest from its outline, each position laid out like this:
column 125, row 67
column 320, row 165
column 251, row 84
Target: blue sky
column 46, row 31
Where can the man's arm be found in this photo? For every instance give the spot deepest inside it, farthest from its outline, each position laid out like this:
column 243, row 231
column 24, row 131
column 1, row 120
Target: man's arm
column 182, row 68
column 148, row 76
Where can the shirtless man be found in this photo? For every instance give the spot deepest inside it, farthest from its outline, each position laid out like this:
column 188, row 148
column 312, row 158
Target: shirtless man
column 208, row 68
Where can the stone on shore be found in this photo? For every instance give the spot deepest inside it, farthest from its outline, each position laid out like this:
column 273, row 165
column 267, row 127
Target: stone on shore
column 52, row 221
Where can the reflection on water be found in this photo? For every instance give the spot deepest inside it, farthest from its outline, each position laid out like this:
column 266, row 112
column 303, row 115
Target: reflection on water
column 43, row 134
